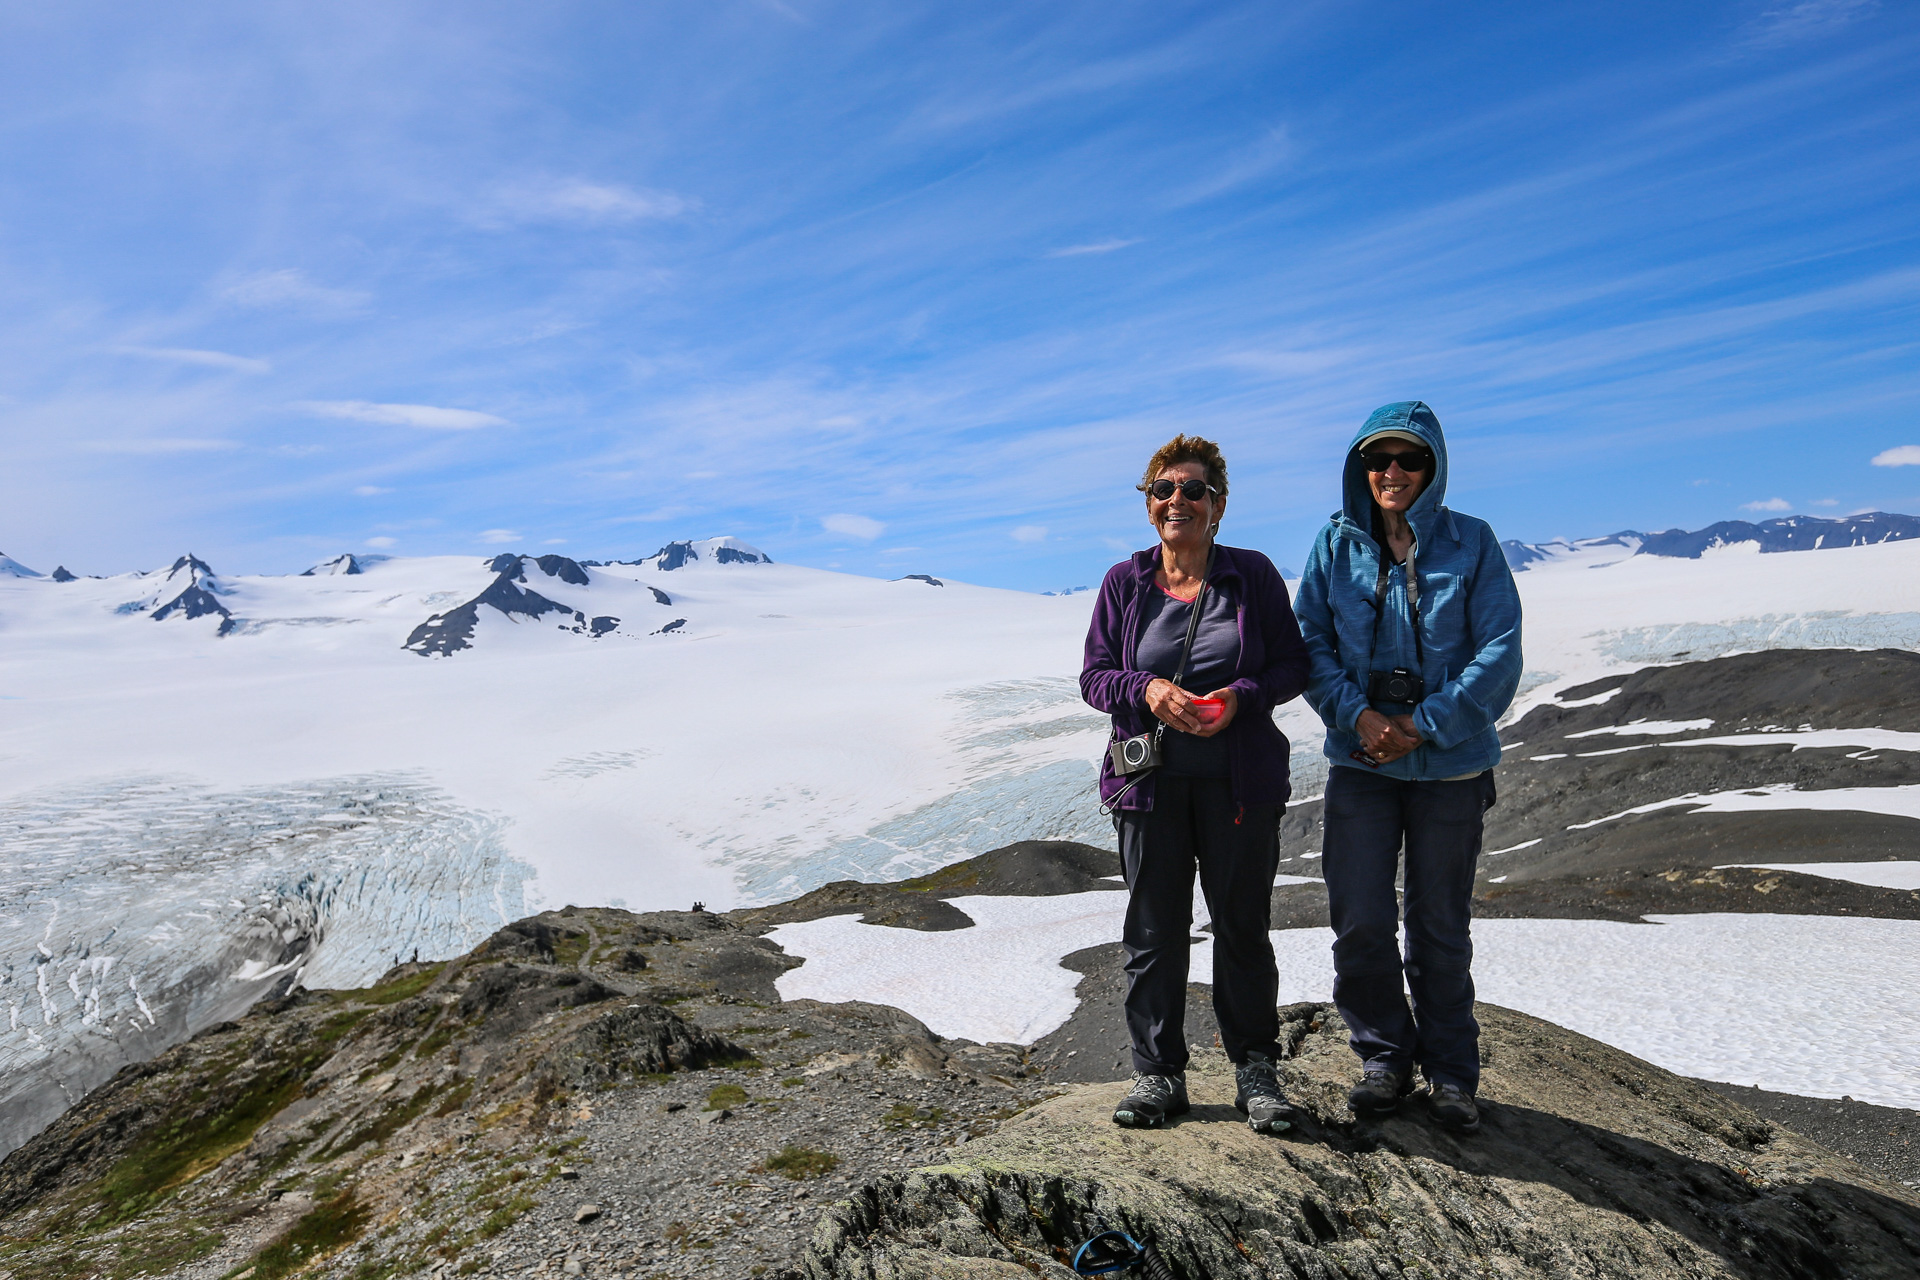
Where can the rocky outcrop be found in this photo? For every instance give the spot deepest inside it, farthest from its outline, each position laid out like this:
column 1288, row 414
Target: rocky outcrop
column 1589, row 1163
column 1027, row 867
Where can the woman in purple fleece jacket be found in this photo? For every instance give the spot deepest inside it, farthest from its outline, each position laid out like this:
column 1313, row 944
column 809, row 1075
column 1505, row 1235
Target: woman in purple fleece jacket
column 1216, row 799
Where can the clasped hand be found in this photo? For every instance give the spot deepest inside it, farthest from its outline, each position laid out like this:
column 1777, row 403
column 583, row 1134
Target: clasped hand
column 1173, row 706
column 1386, row 738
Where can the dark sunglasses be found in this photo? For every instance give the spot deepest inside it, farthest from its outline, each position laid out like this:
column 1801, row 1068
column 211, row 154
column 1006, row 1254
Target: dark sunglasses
column 1191, row 490
column 1412, row 462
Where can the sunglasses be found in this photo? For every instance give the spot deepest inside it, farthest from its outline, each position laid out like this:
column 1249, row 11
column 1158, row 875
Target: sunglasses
column 1191, row 490
column 1412, row 462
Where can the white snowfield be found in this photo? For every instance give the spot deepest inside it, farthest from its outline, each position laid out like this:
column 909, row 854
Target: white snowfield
column 193, row 808
column 1899, row 802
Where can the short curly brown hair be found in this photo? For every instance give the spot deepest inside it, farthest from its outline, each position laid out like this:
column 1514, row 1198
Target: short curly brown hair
column 1188, row 449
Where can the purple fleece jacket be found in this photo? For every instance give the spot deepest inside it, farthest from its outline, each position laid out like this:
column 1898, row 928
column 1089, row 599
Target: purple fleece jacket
column 1272, row 669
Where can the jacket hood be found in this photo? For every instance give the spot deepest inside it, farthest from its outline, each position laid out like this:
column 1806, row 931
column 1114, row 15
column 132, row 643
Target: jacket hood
column 1415, row 418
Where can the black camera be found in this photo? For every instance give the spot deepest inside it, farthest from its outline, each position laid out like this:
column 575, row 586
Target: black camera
column 1397, row 685
column 1132, row 755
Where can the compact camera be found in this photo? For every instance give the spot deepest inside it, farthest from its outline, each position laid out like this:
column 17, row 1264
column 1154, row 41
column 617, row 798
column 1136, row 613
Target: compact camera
column 1131, row 755
column 1397, row 685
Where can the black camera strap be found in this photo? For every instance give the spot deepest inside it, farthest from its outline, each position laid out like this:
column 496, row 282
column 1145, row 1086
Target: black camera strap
column 1413, row 599
column 1180, row 673
column 1186, row 649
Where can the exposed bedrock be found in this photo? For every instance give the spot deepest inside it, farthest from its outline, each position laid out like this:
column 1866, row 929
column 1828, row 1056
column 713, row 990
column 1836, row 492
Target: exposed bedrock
column 1589, row 1163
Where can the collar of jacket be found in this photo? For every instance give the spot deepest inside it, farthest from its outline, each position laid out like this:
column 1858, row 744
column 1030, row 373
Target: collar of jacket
column 1226, row 566
column 1428, row 526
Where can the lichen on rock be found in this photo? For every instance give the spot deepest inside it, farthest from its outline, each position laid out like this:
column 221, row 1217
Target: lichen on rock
column 1589, row 1163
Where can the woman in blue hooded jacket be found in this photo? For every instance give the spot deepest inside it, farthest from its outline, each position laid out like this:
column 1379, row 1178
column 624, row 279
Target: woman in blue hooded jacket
column 1412, row 623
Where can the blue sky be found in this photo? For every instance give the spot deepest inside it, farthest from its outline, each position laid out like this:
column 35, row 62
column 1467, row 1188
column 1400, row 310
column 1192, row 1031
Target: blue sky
column 900, row 287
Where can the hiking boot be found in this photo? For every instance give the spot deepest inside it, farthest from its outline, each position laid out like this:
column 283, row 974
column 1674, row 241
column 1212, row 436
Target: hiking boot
column 1453, row 1107
column 1266, row 1108
column 1379, row 1091
column 1152, row 1101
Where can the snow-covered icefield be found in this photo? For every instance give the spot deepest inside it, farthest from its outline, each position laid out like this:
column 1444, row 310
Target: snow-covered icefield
column 194, row 808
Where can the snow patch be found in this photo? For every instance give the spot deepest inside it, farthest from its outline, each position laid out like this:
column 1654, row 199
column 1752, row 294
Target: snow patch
column 1880, row 875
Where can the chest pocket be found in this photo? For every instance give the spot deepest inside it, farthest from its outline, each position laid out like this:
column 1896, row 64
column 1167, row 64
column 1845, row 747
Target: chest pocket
column 1443, row 607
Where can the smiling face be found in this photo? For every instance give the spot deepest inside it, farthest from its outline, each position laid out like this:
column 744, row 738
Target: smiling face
column 1183, row 524
column 1396, row 489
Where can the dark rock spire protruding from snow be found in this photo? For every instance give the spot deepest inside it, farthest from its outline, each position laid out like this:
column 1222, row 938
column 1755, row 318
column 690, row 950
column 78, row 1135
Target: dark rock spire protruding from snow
column 60, row 574
column 197, row 598
column 445, row 634
column 342, row 564
column 719, row 550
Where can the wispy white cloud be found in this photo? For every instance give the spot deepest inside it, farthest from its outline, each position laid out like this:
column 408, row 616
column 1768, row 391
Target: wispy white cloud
column 429, row 417
column 1029, row 533
column 206, row 359
column 1271, row 151
column 499, row 537
column 577, row 200
column 1901, row 455
column 382, row 541
column 370, row 490
column 1767, row 504
column 1098, row 246
column 866, row 528
column 291, row 288
column 1805, row 20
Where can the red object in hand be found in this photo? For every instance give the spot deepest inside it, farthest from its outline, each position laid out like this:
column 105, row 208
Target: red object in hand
column 1210, row 709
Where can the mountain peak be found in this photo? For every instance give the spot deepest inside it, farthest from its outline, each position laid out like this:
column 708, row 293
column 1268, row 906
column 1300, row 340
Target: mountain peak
column 11, row 568
column 344, row 563
column 723, row 550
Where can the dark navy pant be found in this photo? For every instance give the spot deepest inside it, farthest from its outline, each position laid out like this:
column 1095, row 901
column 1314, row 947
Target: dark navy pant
column 1368, row 818
column 1194, row 823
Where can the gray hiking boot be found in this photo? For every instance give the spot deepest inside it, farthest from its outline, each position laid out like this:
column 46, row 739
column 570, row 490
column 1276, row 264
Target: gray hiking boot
column 1453, row 1107
column 1379, row 1091
column 1152, row 1101
column 1259, row 1096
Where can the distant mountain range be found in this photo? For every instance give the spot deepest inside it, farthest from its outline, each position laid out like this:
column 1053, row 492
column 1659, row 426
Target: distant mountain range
column 1788, row 533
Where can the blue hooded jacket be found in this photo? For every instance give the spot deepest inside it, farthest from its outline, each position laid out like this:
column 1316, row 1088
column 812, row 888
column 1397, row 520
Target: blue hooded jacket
column 1469, row 618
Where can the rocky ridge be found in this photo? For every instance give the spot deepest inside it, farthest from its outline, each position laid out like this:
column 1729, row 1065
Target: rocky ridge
column 1588, row 1163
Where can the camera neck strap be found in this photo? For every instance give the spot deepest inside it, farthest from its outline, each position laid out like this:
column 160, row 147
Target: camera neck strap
column 1413, row 598
column 1186, row 655
column 1186, row 648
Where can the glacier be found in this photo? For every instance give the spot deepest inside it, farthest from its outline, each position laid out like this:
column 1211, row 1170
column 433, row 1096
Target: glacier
column 135, row 911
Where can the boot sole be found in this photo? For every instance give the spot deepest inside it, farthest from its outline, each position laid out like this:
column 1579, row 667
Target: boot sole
column 1278, row 1124
column 1136, row 1121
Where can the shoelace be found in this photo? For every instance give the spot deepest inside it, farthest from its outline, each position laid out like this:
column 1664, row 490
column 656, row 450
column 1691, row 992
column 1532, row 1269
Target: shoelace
column 1152, row 1088
column 1259, row 1080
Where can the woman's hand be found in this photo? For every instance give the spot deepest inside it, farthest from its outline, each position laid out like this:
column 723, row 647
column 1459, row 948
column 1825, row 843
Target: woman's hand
column 1386, row 740
column 1173, row 706
column 1232, row 699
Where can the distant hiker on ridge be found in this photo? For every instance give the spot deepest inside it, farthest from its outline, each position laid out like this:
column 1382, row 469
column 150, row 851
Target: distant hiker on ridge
column 1193, row 780
column 1411, row 615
